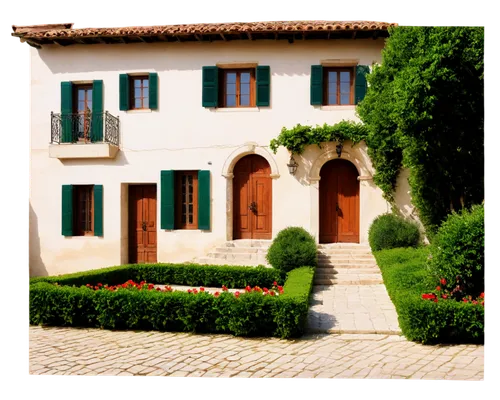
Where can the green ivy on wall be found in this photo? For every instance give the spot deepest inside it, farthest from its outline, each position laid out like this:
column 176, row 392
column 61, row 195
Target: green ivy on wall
column 296, row 139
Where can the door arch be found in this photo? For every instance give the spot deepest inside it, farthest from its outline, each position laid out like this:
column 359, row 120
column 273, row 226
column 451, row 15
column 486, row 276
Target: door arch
column 339, row 202
column 252, row 198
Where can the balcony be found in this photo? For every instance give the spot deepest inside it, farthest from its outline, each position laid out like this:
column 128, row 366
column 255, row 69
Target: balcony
column 86, row 135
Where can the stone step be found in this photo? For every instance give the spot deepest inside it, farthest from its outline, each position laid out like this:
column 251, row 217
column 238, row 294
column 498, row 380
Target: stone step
column 358, row 256
column 344, row 246
column 344, row 252
column 342, row 281
column 258, row 250
column 344, row 265
column 346, row 271
column 328, row 260
column 215, row 261
column 248, row 243
column 347, row 267
column 238, row 256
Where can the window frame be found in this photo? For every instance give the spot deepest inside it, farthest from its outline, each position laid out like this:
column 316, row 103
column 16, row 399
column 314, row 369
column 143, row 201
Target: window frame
column 132, row 97
column 75, row 88
column 77, row 228
column 178, row 224
column 326, row 70
column 223, row 86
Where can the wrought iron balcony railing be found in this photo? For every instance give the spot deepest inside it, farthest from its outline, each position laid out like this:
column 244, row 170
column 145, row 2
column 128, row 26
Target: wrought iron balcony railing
column 86, row 127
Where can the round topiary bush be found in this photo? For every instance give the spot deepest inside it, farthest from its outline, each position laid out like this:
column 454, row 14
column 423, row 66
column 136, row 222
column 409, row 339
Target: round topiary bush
column 293, row 247
column 389, row 231
column 457, row 251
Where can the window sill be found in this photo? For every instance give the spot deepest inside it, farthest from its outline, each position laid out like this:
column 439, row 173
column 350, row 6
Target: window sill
column 331, row 108
column 140, row 111
column 237, row 109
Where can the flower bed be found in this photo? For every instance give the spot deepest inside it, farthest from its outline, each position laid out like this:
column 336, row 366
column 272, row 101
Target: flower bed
column 112, row 305
column 424, row 314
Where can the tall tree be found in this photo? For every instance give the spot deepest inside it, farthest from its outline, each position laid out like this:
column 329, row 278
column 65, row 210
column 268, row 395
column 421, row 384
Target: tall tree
column 424, row 110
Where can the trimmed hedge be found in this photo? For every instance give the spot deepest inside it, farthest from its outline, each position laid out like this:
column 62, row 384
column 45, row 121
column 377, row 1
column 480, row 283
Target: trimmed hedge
column 170, row 274
column 251, row 314
column 447, row 321
column 389, row 231
column 292, row 248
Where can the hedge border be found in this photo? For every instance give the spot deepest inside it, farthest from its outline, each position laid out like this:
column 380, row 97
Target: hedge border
column 251, row 314
column 406, row 279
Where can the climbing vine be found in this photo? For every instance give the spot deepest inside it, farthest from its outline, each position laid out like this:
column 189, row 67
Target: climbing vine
column 297, row 138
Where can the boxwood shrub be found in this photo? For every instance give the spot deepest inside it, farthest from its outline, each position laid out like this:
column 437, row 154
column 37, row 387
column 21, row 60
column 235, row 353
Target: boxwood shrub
column 251, row 314
column 447, row 321
column 389, row 231
column 292, row 248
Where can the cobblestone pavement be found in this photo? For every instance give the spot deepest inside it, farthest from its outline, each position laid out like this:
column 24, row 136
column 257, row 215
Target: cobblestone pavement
column 352, row 309
column 69, row 351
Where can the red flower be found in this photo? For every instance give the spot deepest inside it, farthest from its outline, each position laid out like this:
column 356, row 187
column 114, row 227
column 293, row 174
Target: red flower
column 189, row 290
column 444, row 296
column 202, row 289
column 474, row 302
column 275, row 283
column 465, row 300
column 99, row 284
column 481, row 296
column 195, row 291
column 280, row 288
column 88, row 285
column 216, row 294
column 248, row 289
column 428, row 296
column 158, row 288
column 482, row 303
column 236, row 294
column 272, row 293
column 266, row 290
column 443, row 281
column 224, row 288
column 438, row 288
column 435, row 300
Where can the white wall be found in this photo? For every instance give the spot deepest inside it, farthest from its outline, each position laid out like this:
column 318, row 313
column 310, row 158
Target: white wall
column 181, row 134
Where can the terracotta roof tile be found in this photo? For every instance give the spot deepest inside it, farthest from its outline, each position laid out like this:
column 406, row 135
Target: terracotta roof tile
column 42, row 33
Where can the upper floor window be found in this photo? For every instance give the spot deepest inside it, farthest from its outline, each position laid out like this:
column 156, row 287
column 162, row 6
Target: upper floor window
column 82, row 108
column 238, row 88
column 338, row 86
column 140, row 93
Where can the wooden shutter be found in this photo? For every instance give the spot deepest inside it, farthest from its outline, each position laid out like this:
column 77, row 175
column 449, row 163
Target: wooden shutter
column 97, row 112
column 263, row 85
column 204, row 200
column 210, row 90
column 98, row 210
column 153, row 90
column 167, row 200
column 66, row 111
column 361, row 86
column 316, row 84
column 124, row 92
column 67, row 210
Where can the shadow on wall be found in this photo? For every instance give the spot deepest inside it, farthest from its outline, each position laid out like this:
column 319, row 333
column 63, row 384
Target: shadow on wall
column 37, row 267
column 119, row 161
column 283, row 56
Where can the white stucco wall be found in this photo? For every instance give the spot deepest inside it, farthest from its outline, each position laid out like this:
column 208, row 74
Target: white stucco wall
column 181, row 134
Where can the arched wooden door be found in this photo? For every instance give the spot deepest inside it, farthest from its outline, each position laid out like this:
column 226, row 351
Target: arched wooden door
column 252, row 198
column 338, row 203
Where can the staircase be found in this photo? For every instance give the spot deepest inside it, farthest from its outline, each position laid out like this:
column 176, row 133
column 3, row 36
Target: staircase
column 346, row 264
column 238, row 252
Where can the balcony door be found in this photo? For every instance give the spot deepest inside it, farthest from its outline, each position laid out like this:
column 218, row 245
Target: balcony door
column 82, row 109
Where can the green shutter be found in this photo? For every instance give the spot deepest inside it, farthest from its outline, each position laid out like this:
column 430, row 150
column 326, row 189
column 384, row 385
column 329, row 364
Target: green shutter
column 96, row 126
column 66, row 110
column 210, row 90
column 98, row 210
column 361, row 72
column 204, row 200
column 153, row 90
column 67, row 210
column 167, row 200
column 263, row 85
column 316, row 85
column 124, row 92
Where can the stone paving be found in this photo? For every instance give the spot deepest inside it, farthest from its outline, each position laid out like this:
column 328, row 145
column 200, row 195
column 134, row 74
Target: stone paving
column 69, row 351
column 352, row 309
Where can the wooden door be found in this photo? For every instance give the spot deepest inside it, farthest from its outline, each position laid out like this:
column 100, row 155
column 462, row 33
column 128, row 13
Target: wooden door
column 339, row 203
column 142, row 224
column 252, row 199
